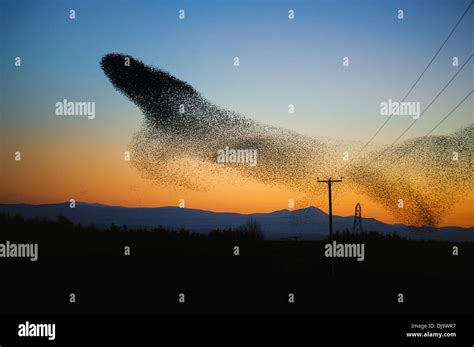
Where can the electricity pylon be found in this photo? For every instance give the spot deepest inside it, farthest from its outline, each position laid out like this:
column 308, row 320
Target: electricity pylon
column 357, row 228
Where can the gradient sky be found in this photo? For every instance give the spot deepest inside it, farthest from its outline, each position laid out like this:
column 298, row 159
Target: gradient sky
column 282, row 62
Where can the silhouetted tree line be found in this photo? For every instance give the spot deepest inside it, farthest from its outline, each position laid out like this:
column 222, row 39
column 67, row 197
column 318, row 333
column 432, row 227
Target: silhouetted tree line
column 390, row 255
column 250, row 231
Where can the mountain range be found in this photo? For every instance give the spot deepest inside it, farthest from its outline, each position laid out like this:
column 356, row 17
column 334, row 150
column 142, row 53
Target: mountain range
column 308, row 223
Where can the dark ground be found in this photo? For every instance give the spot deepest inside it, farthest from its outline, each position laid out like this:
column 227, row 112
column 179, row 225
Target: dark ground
column 162, row 264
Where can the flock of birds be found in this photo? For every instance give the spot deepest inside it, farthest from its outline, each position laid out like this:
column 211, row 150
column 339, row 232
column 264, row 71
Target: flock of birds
column 183, row 131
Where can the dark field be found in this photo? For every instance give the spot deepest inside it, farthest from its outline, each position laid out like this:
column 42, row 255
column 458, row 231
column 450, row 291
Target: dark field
column 92, row 265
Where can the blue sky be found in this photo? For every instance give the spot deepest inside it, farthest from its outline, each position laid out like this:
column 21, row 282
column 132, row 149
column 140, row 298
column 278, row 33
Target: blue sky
column 282, row 61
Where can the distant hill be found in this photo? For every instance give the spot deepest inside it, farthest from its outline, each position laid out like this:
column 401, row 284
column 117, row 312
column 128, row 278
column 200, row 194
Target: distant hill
column 309, row 223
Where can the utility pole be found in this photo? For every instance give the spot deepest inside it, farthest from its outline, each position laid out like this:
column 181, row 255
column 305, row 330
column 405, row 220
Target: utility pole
column 330, row 181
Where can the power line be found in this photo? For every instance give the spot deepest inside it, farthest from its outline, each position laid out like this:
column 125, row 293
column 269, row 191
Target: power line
column 449, row 114
column 413, row 85
column 410, row 90
column 427, row 107
column 436, row 126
